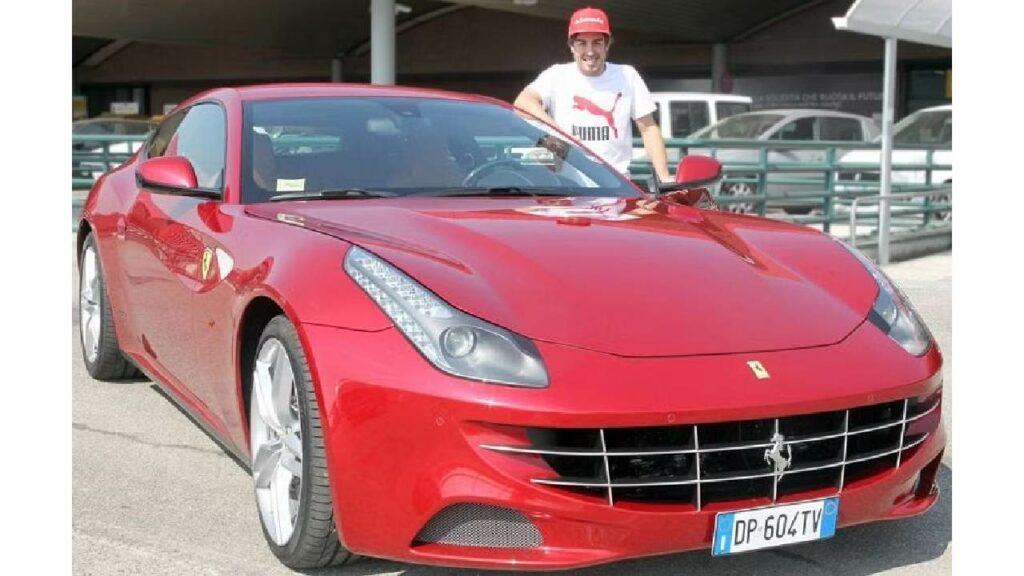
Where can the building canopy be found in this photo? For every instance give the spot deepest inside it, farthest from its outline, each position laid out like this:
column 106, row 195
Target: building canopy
column 922, row 21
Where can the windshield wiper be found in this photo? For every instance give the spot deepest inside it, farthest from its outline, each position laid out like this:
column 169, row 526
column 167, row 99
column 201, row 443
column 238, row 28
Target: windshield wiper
column 493, row 191
column 341, row 193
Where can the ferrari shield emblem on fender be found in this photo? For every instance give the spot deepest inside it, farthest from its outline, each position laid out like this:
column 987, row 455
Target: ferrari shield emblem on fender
column 758, row 370
column 207, row 258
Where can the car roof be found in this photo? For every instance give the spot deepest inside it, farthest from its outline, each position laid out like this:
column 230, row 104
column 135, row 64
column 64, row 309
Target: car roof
column 943, row 108
column 328, row 89
column 804, row 112
column 112, row 119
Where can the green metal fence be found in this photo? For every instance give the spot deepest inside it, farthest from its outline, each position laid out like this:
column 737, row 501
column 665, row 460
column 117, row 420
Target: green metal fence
column 816, row 182
column 93, row 155
column 807, row 182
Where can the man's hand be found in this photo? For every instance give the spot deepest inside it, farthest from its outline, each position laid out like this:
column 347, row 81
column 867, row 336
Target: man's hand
column 531, row 102
column 654, row 145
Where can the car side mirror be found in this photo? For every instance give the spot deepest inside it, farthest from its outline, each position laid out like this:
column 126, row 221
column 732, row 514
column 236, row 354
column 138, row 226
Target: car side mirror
column 693, row 175
column 697, row 171
column 171, row 175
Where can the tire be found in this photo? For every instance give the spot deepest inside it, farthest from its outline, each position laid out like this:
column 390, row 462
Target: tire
column 946, row 216
column 798, row 210
column 283, row 416
column 100, row 351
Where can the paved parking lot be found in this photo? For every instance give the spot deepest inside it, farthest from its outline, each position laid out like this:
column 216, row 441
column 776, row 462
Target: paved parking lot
column 154, row 495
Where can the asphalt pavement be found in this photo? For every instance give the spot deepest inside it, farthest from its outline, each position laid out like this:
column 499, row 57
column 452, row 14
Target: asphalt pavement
column 152, row 494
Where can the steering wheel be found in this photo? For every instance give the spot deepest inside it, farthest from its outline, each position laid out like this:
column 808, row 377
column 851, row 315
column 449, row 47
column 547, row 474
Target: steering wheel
column 481, row 170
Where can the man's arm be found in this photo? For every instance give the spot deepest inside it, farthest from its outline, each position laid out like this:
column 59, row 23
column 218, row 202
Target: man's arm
column 654, row 145
column 531, row 102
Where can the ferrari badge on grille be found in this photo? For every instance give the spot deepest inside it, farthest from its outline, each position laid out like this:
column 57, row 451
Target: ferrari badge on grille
column 774, row 455
column 758, row 370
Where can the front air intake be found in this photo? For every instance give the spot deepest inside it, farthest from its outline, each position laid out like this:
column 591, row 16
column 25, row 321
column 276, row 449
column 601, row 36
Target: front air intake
column 481, row 526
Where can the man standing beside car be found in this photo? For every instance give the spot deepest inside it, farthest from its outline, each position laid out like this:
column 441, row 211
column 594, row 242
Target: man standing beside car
column 595, row 100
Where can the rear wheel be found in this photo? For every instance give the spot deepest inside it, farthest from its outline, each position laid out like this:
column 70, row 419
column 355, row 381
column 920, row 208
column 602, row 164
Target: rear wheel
column 289, row 464
column 943, row 215
column 100, row 351
column 738, row 190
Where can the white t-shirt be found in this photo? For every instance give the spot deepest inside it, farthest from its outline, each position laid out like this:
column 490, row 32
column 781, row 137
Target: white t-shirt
column 597, row 110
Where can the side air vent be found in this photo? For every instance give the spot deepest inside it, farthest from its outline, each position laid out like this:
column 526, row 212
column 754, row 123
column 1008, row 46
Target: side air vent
column 480, row 525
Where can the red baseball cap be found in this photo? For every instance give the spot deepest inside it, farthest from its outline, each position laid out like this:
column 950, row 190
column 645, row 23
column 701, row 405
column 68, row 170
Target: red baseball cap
column 589, row 20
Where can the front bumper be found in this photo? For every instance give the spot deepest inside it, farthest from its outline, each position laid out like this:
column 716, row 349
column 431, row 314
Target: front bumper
column 404, row 440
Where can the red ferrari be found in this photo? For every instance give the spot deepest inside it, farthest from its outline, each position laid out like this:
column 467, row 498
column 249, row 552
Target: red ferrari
column 440, row 331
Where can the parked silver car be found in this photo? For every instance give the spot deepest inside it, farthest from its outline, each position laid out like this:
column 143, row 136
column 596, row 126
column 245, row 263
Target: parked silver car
column 922, row 138
column 112, row 126
column 784, row 125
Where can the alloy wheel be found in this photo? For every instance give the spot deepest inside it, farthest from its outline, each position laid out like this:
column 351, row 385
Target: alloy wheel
column 89, row 304
column 739, row 190
column 276, row 440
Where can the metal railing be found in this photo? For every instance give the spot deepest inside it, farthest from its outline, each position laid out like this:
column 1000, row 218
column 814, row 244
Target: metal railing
column 813, row 182
column 942, row 192
column 93, row 155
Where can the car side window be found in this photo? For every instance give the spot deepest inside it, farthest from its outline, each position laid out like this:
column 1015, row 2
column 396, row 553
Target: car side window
column 158, row 144
column 688, row 117
column 199, row 134
column 657, row 120
column 841, row 129
column 801, row 129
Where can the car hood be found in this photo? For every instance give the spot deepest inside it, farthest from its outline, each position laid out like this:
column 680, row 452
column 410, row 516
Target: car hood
column 612, row 275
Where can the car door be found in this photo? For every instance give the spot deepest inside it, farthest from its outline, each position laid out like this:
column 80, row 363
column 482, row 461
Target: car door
column 788, row 185
column 165, row 248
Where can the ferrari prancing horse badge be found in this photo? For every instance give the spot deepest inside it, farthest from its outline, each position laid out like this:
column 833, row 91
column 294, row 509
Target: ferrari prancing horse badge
column 758, row 370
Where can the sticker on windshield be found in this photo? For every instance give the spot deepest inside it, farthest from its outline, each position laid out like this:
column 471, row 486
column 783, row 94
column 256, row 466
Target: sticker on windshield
column 296, row 185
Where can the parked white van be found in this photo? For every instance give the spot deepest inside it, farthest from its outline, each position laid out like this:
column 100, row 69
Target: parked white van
column 680, row 114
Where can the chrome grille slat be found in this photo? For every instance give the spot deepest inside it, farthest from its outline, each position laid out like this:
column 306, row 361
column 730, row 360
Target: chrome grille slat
column 777, row 476
column 696, row 444
column 846, row 445
column 643, row 464
column 607, row 470
column 903, row 431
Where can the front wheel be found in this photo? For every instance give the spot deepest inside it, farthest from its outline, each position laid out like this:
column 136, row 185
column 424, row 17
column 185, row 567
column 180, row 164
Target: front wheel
column 289, row 463
column 100, row 350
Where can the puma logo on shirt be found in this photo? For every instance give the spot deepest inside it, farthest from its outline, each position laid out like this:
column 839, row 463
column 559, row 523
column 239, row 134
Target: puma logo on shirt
column 595, row 132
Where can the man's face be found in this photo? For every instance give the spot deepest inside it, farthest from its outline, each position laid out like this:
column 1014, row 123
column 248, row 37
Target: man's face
column 590, row 49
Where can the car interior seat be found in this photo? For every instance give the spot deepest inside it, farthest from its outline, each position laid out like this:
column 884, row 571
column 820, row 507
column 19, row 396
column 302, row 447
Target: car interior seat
column 264, row 172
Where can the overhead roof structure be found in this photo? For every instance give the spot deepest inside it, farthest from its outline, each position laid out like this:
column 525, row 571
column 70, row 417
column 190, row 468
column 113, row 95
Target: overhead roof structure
column 922, row 21
column 331, row 27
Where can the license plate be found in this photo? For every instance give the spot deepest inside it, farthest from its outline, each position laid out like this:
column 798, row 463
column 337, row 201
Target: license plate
column 758, row 528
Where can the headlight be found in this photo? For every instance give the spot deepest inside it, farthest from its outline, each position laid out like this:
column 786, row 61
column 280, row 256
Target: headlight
column 450, row 339
column 892, row 311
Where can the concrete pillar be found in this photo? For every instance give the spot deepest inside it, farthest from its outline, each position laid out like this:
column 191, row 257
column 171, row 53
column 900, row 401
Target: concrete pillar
column 719, row 67
column 337, row 69
column 382, row 41
column 888, row 112
column 139, row 96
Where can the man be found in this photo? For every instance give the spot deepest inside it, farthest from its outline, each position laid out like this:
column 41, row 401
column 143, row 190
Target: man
column 595, row 100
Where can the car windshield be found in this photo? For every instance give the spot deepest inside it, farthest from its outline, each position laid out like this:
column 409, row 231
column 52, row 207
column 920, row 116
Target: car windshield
column 741, row 126
column 931, row 127
column 391, row 147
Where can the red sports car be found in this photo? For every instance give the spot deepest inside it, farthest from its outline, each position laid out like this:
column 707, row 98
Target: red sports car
column 441, row 331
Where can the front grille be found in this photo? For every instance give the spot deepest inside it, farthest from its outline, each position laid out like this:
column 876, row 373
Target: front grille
column 480, row 525
column 726, row 461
